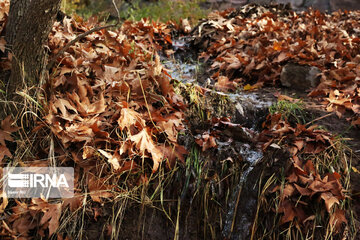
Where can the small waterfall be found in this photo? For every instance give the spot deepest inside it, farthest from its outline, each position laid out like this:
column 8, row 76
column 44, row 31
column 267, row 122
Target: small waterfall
column 231, row 226
column 251, row 108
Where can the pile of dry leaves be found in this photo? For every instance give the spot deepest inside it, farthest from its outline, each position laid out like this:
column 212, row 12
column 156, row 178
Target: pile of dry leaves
column 252, row 44
column 305, row 191
column 111, row 93
column 110, row 112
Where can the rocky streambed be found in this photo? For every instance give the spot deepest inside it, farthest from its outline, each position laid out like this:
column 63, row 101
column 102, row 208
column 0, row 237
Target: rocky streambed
column 228, row 177
column 222, row 201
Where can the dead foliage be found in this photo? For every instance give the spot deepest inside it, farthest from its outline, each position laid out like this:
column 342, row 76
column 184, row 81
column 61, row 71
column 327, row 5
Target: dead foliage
column 110, row 111
column 310, row 194
column 248, row 47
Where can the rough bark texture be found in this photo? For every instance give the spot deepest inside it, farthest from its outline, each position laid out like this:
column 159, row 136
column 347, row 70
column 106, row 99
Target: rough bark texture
column 29, row 24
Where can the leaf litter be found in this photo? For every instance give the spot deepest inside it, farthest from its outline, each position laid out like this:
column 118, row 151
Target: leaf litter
column 110, row 104
column 248, row 48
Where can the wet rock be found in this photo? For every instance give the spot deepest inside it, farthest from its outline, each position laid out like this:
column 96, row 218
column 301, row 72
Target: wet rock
column 294, row 3
column 345, row 5
column 240, row 134
column 247, row 194
column 299, row 77
column 252, row 107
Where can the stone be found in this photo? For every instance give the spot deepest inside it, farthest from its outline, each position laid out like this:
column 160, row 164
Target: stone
column 322, row 5
column 300, row 77
column 260, row 1
column 294, row 3
column 251, row 108
column 238, row 2
column 297, row 3
column 344, row 5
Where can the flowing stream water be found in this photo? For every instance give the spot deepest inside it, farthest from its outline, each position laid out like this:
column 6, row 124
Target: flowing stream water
column 248, row 105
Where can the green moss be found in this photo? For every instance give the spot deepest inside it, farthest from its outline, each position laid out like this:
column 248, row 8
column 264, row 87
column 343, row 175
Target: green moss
column 162, row 10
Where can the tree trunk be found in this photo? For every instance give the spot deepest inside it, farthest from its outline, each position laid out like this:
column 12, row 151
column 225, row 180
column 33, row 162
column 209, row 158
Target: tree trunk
column 27, row 31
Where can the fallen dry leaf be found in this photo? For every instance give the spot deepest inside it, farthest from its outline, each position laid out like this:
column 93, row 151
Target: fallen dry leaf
column 144, row 143
column 112, row 159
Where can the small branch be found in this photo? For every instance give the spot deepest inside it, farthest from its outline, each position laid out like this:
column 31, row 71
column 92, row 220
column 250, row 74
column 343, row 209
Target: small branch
column 81, row 36
column 72, row 42
column 319, row 118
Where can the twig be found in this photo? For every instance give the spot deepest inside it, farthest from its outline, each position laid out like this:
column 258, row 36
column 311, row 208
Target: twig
column 319, row 118
column 72, row 42
column 81, row 36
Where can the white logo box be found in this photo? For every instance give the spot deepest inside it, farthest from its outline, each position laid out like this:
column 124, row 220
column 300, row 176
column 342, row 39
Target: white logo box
column 36, row 182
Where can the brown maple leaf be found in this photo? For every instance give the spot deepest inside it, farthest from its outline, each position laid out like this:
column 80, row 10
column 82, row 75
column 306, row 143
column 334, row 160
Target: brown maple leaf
column 97, row 107
column 98, row 188
column 144, row 143
column 337, row 219
column 65, row 107
column 112, row 159
column 170, row 126
column 129, row 118
column 224, row 84
column 52, row 215
column 74, row 203
column 4, row 151
column 6, row 130
column 330, row 200
column 172, row 153
column 206, row 142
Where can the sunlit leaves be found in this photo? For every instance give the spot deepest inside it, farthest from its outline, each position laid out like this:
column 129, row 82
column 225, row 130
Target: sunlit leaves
column 256, row 41
column 144, row 143
column 104, row 91
column 110, row 109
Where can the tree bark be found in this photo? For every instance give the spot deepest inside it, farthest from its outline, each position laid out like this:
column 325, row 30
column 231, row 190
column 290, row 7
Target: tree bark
column 27, row 31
